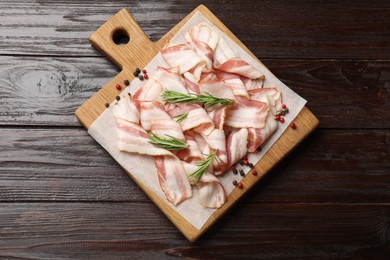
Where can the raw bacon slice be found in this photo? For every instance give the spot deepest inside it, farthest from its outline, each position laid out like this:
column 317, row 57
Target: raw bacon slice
column 218, row 116
column 193, row 148
column 217, row 89
column 151, row 111
column 203, row 33
column 192, row 87
column 151, row 91
column 240, row 67
column 234, row 82
column 253, row 83
column 134, row 139
column 262, row 93
column 247, row 113
column 127, row 109
column 211, row 192
column 237, row 145
column 217, row 142
column 257, row 137
column 167, row 127
column 170, row 79
column 205, row 52
column 183, row 56
column 173, row 179
column 197, row 118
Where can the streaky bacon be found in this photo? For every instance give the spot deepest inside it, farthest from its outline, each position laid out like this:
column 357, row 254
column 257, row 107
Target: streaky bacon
column 217, row 142
column 170, row 79
column 240, row 67
column 151, row 110
column 234, row 82
column 134, row 139
column 218, row 116
column 167, row 127
column 173, row 179
column 192, row 87
column 256, row 136
column 262, row 93
column 212, row 194
column 197, row 118
column 203, row 33
column 151, row 91
column 252, row 83
column 127, row 109
column 247, row 113
column 237, row 145
column 205, row 52
column 181, row 55
column 217, row 89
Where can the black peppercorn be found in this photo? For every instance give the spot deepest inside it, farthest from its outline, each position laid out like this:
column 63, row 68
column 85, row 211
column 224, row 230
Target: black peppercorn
column 234, row 182
column 242, row 173
column 118, row 98
column 126, row 82
column 138, row 70
column 235, row 171
column 258, row 149
column 129, row 94
column 141, row 77
column 242, row 162
column 107, row 104
column 250, row 165
column 135, row 74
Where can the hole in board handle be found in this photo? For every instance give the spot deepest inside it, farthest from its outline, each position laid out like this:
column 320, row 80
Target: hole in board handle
column 120, row 37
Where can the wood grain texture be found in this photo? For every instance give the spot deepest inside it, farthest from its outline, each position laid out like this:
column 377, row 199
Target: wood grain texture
column 139, row 230
column 47, row 90
column 271, row 29
column 68, row 165
column 137, row 53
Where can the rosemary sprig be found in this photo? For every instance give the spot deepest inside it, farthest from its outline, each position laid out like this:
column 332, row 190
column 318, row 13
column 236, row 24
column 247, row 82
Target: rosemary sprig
column 169, row 143
column 207, row 99
column 196, row 175
column 181, row 117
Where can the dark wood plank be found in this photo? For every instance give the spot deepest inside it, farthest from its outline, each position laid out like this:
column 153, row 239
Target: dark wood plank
column 133, row 230
column 271, row 29
column 68, row 165
column 47, row 91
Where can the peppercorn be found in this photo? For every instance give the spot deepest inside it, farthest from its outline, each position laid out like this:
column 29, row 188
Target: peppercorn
column 146, row 76
column 138, row 70
column 242, row 173
column 254, row 173
column 118, row 87
column 135, row 73
column 277, row 117
column 144, row 71
column 241, row 162
column 118, row 98
column 129, row 94
column 293, row 126
column 107, row 104
column 245, row 157
column 234, row 182
column 126, row 82
column 284, row 106
column 239, row 185
column 235, row 171
column 281, row 120
column 258, row 149
column 250, row 165
column 246, row 162
column 141, row 77
column 285, row 110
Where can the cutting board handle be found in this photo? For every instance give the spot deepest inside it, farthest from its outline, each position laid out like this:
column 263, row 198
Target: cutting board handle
column 135, row 53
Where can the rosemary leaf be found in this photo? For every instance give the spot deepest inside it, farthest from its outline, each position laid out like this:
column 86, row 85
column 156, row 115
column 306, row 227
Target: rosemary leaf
column 196, row 175
column 169, row 143
column 181, row 117
column 205, row 99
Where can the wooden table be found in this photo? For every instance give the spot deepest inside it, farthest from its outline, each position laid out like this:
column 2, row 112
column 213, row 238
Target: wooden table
column 62, row 195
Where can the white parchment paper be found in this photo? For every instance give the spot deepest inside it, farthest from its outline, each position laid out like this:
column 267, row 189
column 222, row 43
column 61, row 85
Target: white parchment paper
column 142, row 167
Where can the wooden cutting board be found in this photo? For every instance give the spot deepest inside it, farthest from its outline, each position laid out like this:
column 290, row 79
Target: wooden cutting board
column 137, row 53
